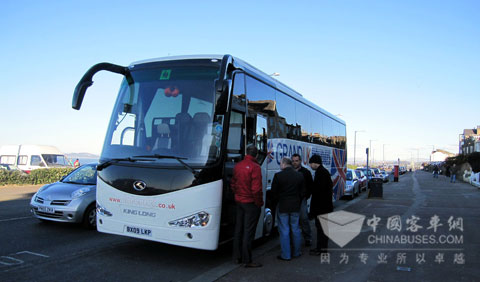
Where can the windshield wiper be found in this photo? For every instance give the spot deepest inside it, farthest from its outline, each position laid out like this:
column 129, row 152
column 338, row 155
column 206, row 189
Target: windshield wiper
column 111, row 161
column 187, row 166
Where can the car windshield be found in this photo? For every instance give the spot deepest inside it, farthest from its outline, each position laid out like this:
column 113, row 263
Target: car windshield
column 167, row 110
column 86, row 174
column 349, row 175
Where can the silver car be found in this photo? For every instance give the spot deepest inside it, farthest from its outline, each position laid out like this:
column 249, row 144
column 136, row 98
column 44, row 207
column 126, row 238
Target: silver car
column 352, row 187
column 72, row 199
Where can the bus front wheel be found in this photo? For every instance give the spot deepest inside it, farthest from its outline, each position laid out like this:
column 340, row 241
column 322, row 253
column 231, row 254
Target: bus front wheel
column 267, row 222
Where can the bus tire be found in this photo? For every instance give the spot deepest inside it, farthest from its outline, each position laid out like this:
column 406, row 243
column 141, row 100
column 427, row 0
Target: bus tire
column 267, row 222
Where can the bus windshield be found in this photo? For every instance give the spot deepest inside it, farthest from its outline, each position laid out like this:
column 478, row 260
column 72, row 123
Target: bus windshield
column 167, row 110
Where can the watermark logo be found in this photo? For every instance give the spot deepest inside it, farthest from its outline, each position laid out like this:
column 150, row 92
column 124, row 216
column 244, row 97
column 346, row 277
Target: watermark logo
column 416, row 240
column 341, row 226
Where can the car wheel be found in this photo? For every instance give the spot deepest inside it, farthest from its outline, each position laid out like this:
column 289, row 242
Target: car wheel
column 90, row 217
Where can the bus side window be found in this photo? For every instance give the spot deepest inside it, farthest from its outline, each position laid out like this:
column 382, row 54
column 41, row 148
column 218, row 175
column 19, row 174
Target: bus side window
column 235, row 137
column 261, row 138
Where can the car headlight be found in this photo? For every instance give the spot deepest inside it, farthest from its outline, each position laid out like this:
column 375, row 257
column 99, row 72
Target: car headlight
column 80, row 192
column 192, row 221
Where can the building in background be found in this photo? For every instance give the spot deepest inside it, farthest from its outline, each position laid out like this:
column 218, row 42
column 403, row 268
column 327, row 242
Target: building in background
column 440, row 155
column 469, row 141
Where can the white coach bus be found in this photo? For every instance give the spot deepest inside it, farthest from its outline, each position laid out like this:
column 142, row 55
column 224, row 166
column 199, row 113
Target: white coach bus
column 179, row 126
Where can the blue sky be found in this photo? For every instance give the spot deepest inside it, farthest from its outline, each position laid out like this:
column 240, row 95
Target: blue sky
column 405, row 72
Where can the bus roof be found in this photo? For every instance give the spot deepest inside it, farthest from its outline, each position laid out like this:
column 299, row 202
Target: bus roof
column 250, row 70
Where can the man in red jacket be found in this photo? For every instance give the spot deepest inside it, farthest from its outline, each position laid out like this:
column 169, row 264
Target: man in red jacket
column 247, row 186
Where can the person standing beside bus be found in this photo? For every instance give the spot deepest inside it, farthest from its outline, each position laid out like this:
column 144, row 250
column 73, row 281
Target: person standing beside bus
column 321, row 203
column 76, row 163
column 247, row 187
column 304, row 222
column 288, row 190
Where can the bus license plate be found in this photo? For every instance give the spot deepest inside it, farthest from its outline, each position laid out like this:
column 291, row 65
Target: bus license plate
column 139, row 231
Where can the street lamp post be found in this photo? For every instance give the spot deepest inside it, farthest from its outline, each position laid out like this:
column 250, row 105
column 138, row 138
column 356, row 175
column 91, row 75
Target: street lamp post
column 370, row 149
column 355, row 146
column 384, row 155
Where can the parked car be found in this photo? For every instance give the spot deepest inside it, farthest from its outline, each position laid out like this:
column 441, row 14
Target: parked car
column 384, row 175
column 362, row 179
column 369, row 173
column 71, row 199
column 352, row 188
column 8, row 167
column 12, row 168
column 377, row 172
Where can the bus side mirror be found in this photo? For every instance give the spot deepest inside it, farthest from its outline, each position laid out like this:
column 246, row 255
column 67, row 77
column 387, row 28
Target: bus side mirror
column 86, row 81
column 79, row 93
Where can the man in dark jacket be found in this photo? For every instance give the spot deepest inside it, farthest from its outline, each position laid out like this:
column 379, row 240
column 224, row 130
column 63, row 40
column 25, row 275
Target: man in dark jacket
column 321, row 203
column 247, row 186
column 304, row 222
column 288, row 189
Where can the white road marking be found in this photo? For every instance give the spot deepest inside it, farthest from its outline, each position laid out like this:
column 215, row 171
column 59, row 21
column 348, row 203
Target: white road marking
column 15, row 218
column 12, row 259
column 15, row 261
column 32, row 253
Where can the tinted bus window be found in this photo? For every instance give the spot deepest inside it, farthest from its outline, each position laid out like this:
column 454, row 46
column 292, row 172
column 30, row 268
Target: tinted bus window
column 316, row 122
column 286, row 115
column 238, row 102
column 302, row 114
column 261, row 100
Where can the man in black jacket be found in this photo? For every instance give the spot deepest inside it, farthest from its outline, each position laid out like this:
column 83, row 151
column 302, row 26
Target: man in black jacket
column 304, row 222
column 288, row 189
column 321, row 203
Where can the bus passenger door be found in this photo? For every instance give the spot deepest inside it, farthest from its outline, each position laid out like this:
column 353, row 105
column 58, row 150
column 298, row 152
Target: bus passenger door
column 235, row 153
column 261, row 138
column 257, row 135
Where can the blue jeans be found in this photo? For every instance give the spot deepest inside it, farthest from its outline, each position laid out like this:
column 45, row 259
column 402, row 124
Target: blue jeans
column 304, row 222
column 453, row 177
column 289, row 222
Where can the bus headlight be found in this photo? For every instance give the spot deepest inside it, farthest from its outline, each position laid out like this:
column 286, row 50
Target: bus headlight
column 192, row 221
column 102, row 211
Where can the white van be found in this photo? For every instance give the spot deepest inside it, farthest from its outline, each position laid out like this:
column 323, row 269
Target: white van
column 29, row 157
